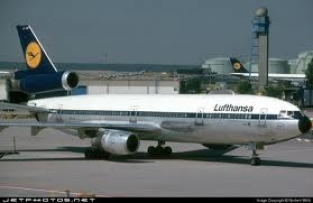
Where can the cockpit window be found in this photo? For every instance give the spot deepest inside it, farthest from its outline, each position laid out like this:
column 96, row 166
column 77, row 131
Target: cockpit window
column 282, row 114
column 297, row 114
column 290, row 114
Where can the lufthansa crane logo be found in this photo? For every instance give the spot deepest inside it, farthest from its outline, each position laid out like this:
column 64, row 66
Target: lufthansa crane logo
column 33, row 55
column 236, row 66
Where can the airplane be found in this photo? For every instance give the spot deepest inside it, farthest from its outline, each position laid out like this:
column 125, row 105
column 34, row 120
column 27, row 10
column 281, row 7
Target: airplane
column 239, row 70
column 117, row 123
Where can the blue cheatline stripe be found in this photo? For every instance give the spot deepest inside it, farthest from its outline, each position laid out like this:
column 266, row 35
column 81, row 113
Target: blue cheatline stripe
column 170, row 114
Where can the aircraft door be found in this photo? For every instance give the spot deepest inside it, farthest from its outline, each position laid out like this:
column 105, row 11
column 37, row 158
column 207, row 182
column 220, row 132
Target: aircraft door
column 133, row 114
column 58, row 114
column 199, row 117
column 262, row 117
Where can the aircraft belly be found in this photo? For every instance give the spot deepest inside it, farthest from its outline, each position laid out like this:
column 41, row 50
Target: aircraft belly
column 212, row 131
column 228, row 131
column 286, row 130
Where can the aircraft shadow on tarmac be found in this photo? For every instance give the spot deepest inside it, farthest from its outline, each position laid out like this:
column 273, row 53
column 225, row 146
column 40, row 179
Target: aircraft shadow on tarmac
column 142, row 157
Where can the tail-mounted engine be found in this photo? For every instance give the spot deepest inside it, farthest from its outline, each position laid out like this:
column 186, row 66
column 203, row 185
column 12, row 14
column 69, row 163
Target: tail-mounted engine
column 36, row 83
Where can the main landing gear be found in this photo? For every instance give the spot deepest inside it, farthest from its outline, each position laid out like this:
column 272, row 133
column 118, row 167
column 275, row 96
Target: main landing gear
column 160, row 150
column 255, row 160
column 96, row 153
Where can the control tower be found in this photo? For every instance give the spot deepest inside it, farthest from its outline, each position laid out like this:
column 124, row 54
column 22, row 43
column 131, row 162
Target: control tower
column 259, row 47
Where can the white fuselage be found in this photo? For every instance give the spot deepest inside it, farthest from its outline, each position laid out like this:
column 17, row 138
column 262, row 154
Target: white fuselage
column 276, row 76
column 217, row 119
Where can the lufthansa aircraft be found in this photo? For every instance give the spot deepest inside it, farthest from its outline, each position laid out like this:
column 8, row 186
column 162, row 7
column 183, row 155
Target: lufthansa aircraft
column 242, row 72
column 116, row 123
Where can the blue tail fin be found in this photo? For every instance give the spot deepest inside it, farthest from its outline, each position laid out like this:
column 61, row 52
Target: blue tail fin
column 36, row 58
column 237, row 66
column 41, row 74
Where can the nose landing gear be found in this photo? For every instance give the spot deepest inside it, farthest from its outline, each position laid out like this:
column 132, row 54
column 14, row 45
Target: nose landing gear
column 255, row 160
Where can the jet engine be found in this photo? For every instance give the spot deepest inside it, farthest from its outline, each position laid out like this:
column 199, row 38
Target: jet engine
column 24, row 85
column 116, row 141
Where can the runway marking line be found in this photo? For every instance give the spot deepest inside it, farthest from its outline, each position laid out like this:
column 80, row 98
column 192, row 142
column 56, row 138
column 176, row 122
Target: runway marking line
column 49, row 191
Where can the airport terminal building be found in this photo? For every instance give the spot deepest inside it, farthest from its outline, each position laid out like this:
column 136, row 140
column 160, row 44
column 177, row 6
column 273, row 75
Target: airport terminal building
column 146, row 83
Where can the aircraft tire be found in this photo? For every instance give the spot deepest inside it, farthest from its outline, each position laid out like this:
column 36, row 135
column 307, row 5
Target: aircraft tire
column 151, row 150
column 88, row 154
column 159, row 151
column 255, row 161
column 167, row 151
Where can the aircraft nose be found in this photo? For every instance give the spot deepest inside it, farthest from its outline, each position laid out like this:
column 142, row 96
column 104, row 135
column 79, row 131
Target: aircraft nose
column 304, row 124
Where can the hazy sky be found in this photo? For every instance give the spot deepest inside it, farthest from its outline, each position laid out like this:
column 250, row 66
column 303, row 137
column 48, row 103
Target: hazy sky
column 153, row 31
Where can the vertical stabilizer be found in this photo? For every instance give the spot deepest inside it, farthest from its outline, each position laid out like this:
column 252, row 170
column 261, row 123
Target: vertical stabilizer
column 36, row 58
column 237, row 66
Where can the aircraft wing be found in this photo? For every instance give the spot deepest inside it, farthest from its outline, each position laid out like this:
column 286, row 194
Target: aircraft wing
column 6, row 105
column 91, row 124
column 117, row 125
column 240, row 75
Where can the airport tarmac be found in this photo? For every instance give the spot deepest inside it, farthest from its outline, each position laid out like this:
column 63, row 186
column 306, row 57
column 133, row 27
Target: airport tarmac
column 52, row 163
